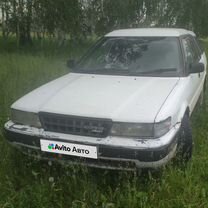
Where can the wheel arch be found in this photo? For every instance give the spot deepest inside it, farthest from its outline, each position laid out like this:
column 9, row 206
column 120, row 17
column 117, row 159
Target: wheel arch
column 185, row 110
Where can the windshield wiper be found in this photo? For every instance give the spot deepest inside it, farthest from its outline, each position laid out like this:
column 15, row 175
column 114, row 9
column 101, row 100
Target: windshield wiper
column 104, row 71
column 158, row 71
column 117, row 71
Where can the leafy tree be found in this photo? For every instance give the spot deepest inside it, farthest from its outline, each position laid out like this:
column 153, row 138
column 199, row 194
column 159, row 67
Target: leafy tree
column 78, row 18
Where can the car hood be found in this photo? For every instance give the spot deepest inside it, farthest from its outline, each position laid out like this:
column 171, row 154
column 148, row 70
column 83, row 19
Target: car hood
column 120, row 98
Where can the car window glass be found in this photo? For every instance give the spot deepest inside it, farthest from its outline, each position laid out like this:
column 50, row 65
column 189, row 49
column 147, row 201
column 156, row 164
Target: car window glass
column 200, row 45
column 191, row 55
column 197, row 47
column 134, row 55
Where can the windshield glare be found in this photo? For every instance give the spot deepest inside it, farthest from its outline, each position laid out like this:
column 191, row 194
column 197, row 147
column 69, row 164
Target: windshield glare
column 133, row 56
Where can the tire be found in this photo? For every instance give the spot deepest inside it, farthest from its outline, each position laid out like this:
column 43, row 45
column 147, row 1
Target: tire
column 185, row 141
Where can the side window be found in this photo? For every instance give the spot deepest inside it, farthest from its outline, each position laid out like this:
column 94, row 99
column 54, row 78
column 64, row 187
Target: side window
column 191, row 52
column 196, row 48
column 200, row 45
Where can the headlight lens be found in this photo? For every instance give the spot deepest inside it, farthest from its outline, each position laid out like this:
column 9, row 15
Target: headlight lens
column 132, row 130
column 162, row 127
column 25, row 118
column 146, row 130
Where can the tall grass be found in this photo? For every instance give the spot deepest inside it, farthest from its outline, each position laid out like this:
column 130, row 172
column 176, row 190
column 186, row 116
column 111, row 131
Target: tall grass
column 25, row 182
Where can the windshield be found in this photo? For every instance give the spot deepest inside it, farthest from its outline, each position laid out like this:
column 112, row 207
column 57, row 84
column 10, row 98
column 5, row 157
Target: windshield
column 153, row 56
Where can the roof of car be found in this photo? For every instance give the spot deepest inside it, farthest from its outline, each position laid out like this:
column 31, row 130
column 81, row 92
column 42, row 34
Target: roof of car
column 150, row 32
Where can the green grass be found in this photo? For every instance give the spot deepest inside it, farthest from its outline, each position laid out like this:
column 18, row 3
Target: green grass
column 25, row 182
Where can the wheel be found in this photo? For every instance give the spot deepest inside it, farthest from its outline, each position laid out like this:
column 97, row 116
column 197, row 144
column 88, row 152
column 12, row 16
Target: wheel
column 185, row 141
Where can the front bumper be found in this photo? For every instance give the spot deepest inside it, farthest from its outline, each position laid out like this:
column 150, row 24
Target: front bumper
column 113, row 152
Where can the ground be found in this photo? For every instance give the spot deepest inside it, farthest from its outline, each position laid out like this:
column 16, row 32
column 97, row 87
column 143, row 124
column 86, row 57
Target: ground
column 25, row 182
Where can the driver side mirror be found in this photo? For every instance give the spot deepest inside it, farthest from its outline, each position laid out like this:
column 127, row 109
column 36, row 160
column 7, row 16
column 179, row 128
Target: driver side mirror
column 71, row 63
column 197, row 68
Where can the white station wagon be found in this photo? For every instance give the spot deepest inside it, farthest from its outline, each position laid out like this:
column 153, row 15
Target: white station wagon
column 126, row 104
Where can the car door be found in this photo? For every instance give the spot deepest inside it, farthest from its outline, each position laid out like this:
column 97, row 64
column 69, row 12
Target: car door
column 195, row 80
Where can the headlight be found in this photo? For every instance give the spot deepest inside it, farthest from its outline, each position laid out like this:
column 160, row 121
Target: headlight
column 25, row 118
column 162, row 127
column 132, row 130
column 147, row 130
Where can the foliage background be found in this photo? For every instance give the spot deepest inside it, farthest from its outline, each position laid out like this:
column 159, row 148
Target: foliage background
column 77, row 19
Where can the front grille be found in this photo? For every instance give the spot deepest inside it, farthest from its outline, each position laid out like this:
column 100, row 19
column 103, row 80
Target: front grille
column 75, row 125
